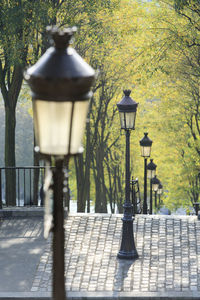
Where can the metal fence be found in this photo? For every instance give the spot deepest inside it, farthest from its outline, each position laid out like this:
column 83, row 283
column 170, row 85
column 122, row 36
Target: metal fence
column 28, row 183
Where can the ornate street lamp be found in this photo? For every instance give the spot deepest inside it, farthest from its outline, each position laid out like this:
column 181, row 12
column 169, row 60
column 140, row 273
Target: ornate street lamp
column 155, row 183
column 155, row 186
column 127, row 108
column 160, row 190
column 151, row 171
column 145, row 144
column 61, row 88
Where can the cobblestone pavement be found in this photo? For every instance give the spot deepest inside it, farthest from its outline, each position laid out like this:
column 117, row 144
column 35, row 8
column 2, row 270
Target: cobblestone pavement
column 21, row 246
column 168, row 248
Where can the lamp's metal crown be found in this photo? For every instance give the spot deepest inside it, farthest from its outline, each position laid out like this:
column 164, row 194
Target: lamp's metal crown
column 60, row 37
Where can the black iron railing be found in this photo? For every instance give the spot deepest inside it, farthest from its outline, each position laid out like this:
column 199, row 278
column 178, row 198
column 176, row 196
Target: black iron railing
column 28, row 185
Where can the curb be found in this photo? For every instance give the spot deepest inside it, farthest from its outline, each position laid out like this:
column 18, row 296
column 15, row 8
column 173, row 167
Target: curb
column 25, row 296
column 9, row 212
column 102, row 295
column 24, row 212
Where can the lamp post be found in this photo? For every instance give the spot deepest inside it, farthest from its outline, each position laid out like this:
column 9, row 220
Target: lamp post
column 155, row 186
column 155, row 195
column 160, row 190
column 60, row 83
column 127, row 108
column 145, row 144
column 151, row 171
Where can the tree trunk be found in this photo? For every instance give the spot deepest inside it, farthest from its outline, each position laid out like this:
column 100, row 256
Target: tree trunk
column 120, row 191
column 101, row 201
column 10, row 122
column 87, row 166
column 80, row 179
column 83, row 175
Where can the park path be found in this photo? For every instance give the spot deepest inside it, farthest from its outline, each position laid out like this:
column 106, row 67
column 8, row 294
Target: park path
column 168, row 266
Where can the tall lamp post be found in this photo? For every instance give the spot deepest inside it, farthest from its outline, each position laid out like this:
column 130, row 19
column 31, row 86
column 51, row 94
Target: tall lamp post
column 151, row 171
column 155, row 186
column 145, row 144
column 60, row 83
column 127, row 108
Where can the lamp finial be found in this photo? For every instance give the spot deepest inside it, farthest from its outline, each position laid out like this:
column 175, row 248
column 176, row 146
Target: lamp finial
column 60, row 37
column 127, row 93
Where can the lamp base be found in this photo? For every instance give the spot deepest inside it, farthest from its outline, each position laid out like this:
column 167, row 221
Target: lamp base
column 127, row 249
column 128, row 255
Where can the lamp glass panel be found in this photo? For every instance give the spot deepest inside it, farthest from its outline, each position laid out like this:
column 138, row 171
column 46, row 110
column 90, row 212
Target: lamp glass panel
column 155, row 187
column 52, row 121
column 159, row 191
column 80, row 111
column 151, row 173
column 145, row 151
column 127, row 120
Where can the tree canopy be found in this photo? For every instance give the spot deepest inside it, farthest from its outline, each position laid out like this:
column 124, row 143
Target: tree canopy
column 152, row 48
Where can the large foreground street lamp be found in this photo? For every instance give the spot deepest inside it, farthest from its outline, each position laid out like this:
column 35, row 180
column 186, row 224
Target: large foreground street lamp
column 151, row 171
column 145, row 144
column 60, row 83
column 127, row 108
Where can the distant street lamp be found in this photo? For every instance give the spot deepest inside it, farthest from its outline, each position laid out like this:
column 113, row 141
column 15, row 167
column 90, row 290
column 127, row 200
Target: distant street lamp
column 145, row 144
column 60, row 83
column 155, row 183
column 151, row 171
column 160, row 190
column 127, row 108
column 155, row 186
column 155, row 198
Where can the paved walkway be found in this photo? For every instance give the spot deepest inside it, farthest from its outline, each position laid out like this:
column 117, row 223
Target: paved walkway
column 21, row 246
column 168, row 264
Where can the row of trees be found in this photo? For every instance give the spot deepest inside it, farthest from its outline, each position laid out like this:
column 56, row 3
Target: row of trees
column 152, row 48
column 174, row 81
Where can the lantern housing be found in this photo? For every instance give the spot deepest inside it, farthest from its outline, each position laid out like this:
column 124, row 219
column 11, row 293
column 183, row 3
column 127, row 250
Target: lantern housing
column 127, row 108
column 160, row 189
column 151, row 169
column 146, row 144
column 61, row 84
column 155, row 183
